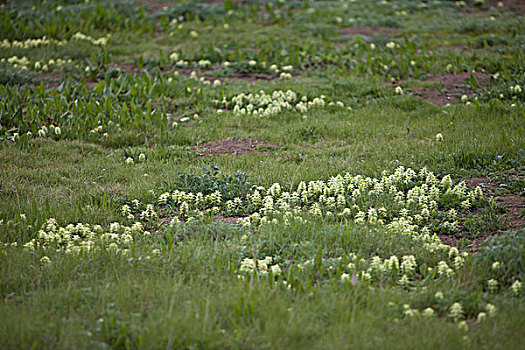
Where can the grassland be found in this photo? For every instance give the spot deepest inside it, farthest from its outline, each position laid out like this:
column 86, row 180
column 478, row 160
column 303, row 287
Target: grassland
column 262, row 174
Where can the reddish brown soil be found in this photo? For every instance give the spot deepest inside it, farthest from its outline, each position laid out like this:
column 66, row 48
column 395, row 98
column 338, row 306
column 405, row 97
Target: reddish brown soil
column 229, row 219
column 517, row 6
column 451, row 83
column 368, row 31
column 249, row 77
column 234, row 146
column 221, row 2
column 514, row 204
column 512, row 219
column 50, row 80
column 457, row 47
column 154, row 6
column 474, row 244
column 126, row 67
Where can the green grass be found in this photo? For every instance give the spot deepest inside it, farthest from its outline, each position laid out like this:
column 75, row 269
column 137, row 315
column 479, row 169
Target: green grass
column 66, row 148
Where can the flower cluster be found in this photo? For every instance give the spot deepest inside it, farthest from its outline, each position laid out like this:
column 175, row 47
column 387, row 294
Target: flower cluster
column 44, row 131
column 84, row 238
column 44, row 41
column 405, row 202
column 408, row 203
column 102, row 41
column 31, row 43
column 23, row 63
column 401, row 270
column 263, row 104
column 260, row 266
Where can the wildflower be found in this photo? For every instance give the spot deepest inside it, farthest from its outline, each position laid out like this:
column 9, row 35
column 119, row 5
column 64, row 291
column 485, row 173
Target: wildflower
column 252, row 63
column 399, row 90
column 495, row 265
column 463, row 326
column 456, row 311
column 403, row 281
column 45, row 260
column 58, row 131
column 142, row 157
column 481, row 317
column 411, row 312
column 428, row 312
column 391, row 45
column 194, row 34
column 439, row 137
column 276, row 269
column 491, row 309
column 129, row 160
column 247, row 265
column 492, row 285
column 516, row 288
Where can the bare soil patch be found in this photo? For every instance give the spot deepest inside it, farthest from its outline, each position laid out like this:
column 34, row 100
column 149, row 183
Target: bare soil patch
column 229, row 219
column 457, row 47
column 474, row 244
column 454, row 85
column 234, row 146
column 50, row 80
column 513, row 219
column 221, row 2
column 514, row 204
column 207, row 74
column 154, row 6
column 367, row 31
column 517, row 6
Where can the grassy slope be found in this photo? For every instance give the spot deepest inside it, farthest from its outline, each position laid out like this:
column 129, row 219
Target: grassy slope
column 190, row 297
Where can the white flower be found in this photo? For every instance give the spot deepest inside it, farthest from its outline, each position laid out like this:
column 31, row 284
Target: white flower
column 399, row 90
column 439, row 137
column 516, row 288
column 174, row 57
column 481, row 317
column 142, row 157
column 129, row 160
column 252, row 63
column 428, row 312
column 391, row 45
column 463, row 326
column 276, row 269
column 492, row 285
column 456, row 311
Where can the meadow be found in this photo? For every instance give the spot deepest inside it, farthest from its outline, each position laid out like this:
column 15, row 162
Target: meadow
column 266, row 174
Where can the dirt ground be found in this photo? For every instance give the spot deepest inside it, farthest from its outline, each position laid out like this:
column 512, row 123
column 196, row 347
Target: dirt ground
column 452, row 85
column 513, row 218
column 367, row 31
column 234, row 146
